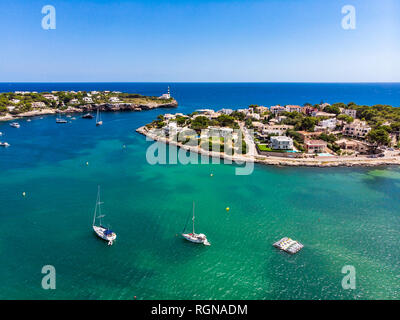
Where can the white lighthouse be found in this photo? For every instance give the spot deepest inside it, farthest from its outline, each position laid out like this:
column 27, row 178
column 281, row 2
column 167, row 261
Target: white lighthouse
column 166, row 95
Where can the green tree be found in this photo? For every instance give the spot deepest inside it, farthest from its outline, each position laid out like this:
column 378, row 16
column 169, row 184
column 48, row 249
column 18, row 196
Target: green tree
column 378, row 136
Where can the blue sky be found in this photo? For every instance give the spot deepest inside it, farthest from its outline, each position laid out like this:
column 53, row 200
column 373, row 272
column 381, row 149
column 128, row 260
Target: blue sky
column 183, row 40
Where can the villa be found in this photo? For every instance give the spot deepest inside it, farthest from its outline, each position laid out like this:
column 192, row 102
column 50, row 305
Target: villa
column 350, row 112
column 226, row 111
column 281, row 143
column 328, row 124
column 38, row 105
column 291, row 108
column 277, row 110
column 317, row 114
column 276, row 129
column 223, row 132
column 50, row 97
column 15, row 101
column 87, row 99
column 357, row 129
column 315, row 146
column 114, row 99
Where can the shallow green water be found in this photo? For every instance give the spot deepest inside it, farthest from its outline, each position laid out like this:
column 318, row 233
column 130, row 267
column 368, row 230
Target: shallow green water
column 343, row 216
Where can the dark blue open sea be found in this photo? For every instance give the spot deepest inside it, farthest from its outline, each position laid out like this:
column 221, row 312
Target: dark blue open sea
column 343, row 216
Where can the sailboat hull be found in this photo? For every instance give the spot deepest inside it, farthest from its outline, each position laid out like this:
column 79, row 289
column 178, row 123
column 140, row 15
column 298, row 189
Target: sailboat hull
column 100, row 233
column 99, row 123
column 196, row 238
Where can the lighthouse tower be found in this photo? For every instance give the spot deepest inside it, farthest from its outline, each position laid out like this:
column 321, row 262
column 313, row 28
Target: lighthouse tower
column 166, row 95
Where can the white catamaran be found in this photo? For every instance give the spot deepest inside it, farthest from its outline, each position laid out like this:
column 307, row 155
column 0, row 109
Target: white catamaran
column 99, row 122
column 195, row 237
column 102, row 232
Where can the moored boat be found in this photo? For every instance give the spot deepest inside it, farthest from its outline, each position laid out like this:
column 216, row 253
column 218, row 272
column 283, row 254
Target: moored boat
column 102, row 232
column 195, row 237
column 87, row 116
column 59, row 119
column 4, row 144
column 15, row 124
column 99, row 122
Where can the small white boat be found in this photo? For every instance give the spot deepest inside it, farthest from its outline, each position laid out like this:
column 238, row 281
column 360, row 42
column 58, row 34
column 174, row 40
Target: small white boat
column 1, row 133
column 102, row 232
column 15, row 124
column 99, row 122
column 195, row 237
column 60, row 120
column 4, row 144
column 28, row 120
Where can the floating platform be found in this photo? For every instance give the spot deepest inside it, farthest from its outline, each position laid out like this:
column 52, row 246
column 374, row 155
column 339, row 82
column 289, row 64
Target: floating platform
column 288, row 245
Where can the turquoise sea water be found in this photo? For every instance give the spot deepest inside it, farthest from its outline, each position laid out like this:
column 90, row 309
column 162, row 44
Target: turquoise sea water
column 343, row 216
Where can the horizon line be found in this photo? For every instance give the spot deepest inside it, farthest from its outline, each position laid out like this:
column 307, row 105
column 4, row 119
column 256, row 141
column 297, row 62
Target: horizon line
column 294, row 82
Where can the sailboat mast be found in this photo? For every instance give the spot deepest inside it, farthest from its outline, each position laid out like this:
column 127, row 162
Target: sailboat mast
column 97, row 202
column 193, row 217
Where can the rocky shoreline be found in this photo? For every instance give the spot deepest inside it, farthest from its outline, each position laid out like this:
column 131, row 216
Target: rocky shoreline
column 106, row 107
column 277, row 161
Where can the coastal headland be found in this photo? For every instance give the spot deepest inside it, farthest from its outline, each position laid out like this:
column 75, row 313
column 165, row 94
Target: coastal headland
column 22, row 104
column 285, row 136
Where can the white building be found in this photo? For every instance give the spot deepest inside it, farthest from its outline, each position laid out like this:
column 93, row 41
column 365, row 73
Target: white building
column 350, row 112
column 166, row 95
column 291, row 108
column 74, row 101
column 50, row 97
column 87, row 99
column 277, row 109
column 357, row 129
column 226, row 111
column 114, row 99
column 15, row 101
column 281, row 143
column 220, row 131
column 276, row 129
column 38, row 105
column 329, row 124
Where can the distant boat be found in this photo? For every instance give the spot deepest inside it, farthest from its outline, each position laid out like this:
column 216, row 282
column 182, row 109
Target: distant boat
column 15, row 125
column 98, row 118
column 28, row 120
column 195, row 237
column 87, row 116
column 4, row 144
column 102, row 232
column 1, row 133
column 61, row 120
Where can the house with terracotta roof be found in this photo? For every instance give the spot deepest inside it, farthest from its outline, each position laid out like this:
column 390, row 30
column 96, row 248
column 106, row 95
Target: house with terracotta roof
column 315, row 146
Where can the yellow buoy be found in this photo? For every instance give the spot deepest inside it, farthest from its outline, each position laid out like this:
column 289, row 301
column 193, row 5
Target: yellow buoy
column 211, row 175
column 24, row 194
column 227, row 209
column 87, row 163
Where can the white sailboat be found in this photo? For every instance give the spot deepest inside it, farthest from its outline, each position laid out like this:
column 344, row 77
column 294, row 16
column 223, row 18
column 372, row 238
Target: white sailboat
column 195, row 237
column 60, row 119
column 102, row 232
column 99, row 122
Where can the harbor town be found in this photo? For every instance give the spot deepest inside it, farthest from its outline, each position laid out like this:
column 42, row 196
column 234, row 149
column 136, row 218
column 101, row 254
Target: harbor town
column 20, row 104
column 309, row 135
